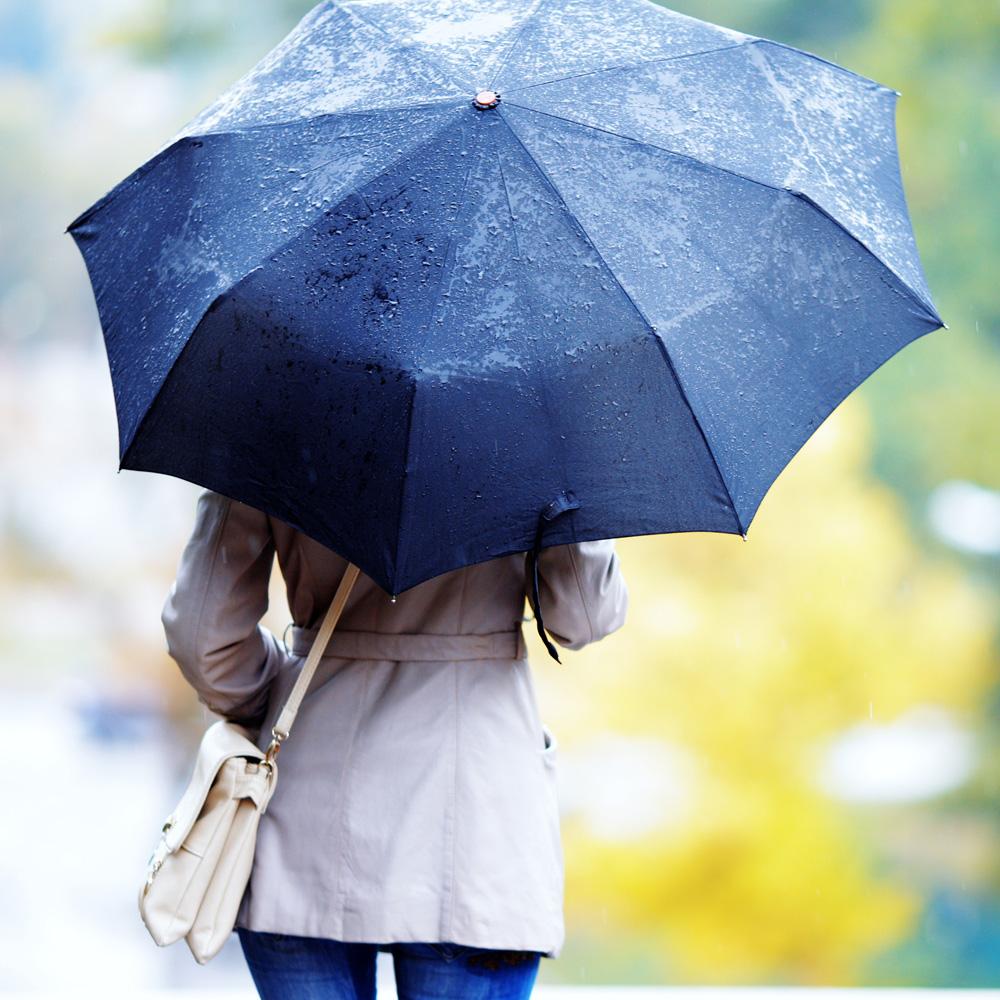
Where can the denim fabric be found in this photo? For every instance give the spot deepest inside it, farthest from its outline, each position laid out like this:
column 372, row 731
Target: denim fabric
column 285, row 967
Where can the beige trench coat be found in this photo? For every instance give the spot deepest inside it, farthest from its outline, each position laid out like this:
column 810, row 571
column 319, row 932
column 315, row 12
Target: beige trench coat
column 416, row 797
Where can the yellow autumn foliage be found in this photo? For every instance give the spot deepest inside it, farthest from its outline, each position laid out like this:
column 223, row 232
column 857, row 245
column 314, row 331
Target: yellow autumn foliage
column 751, row 656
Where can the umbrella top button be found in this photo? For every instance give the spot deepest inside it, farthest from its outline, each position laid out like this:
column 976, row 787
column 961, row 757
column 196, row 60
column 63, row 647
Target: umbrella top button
column 485, row 99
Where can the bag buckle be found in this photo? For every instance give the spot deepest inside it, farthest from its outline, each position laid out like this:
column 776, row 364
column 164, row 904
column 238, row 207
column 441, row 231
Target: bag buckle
column 274, row 747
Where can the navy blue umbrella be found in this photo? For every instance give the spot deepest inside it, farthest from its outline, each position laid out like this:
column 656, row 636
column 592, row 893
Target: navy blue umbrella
column 432, row 270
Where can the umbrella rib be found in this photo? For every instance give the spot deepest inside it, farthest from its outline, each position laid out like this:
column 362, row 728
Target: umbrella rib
column 219, row 297
column 448, row 256
column 704, row 52
column 543, row 390
column 408, row 436
column 827, row 62
column 517, row 38
column 913, row 295
column 627, row 66
column 652, row 329
column 102, row 202
column 510, row 208
column 400, row 44
column 263, row 126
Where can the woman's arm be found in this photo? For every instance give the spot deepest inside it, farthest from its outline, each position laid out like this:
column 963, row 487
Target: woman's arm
column 582, row 592
column 212, row 613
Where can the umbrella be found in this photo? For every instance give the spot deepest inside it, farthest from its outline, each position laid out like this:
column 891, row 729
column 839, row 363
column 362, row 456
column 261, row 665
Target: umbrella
column 431, row 270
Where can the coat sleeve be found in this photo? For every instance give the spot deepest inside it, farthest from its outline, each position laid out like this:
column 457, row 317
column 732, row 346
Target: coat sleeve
column 212, row 614
column 582, row 592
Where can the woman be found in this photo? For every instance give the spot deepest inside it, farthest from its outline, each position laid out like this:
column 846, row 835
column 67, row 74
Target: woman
column 416, row 808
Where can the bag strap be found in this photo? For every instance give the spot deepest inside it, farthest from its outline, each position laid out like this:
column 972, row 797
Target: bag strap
column 281, row 728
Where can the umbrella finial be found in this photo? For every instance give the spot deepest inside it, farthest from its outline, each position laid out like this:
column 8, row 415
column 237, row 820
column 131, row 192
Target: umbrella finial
column 486, row 99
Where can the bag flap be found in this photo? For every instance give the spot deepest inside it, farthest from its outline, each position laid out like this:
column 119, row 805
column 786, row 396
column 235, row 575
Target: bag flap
column 221, row 742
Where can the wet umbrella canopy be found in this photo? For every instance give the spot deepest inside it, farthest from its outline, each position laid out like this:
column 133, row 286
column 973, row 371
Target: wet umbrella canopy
column 431, row 266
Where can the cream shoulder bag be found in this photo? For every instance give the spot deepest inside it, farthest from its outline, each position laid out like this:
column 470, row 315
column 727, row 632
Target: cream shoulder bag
column 199, row 870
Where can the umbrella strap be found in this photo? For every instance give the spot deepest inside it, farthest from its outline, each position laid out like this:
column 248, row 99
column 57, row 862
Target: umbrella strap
column 281, row 728
column 560, row 505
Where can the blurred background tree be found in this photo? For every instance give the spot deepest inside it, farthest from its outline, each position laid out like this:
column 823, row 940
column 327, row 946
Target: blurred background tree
column 784, row 769
column 747, row 701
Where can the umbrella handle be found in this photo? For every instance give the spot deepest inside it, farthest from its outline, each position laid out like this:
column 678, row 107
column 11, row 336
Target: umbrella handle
column 562, row 503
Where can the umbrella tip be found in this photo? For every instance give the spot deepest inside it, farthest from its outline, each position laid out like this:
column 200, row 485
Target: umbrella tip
column 486, row 99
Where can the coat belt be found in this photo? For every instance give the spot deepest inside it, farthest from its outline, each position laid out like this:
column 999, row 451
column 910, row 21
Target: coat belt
column 401, row 647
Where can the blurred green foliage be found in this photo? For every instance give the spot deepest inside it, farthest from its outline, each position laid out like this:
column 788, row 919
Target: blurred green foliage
column 753, row 658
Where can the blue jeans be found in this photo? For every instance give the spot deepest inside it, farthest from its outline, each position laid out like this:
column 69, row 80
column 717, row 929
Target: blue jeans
column 285, row 967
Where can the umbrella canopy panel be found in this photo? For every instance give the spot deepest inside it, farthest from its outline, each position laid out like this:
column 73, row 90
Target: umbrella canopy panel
column 404, row 324
column 770, row 312
column 201, row 215
column 454, row 354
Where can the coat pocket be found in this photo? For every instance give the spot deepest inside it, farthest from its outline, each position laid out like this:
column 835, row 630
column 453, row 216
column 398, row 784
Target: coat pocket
column 548, row 753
